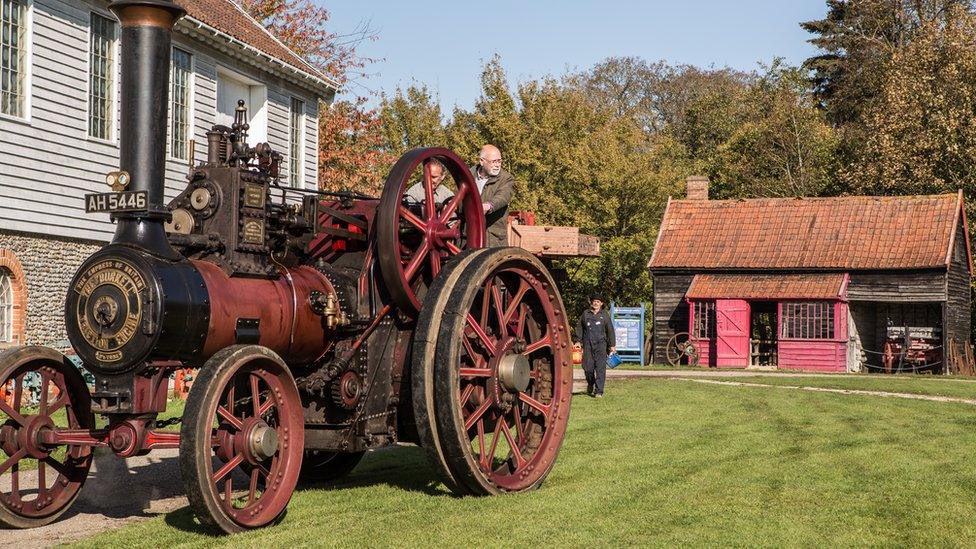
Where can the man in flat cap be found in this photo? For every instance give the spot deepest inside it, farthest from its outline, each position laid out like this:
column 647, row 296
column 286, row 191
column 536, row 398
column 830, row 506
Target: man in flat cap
column 595, row 331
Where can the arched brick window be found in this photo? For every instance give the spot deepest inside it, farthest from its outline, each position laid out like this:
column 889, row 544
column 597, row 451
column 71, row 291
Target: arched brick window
column 13, row 300
column 6, row 307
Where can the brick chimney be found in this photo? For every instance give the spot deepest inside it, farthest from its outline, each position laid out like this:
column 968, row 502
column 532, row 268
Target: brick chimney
column 697, row 186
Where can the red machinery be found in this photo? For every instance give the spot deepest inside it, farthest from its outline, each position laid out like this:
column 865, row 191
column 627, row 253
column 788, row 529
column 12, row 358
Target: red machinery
column 321, row 327
column 910, row 347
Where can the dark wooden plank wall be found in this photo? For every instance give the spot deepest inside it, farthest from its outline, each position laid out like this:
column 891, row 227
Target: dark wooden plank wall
column 872, row 322
column 865, row 319
column 959, row 292
column 897, row 286
column 670, row 311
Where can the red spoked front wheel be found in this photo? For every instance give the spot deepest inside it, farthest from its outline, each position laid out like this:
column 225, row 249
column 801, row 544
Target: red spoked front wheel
column 502, row 374
column 242, row 439
column 43, row 392
column 416, row 235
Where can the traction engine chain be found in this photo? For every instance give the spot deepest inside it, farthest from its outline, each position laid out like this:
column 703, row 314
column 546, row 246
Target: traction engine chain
column 164, row 423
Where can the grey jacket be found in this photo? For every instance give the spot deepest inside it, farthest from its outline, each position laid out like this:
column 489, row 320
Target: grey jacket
column 498, row 192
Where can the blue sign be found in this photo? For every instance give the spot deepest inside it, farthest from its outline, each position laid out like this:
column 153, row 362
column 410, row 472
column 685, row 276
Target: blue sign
column 628, row 326
column 628, row 332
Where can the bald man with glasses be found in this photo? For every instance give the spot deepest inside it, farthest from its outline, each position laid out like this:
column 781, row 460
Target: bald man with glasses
column 496, row 186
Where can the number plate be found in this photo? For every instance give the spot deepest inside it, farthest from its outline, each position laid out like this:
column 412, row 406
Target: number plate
column 130, row 201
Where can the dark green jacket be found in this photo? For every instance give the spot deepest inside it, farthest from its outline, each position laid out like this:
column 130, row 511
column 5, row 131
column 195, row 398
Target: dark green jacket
column 498, row 191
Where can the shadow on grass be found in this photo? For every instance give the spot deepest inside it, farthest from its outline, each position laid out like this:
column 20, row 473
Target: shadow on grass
column 403, row 467
column 184, row 520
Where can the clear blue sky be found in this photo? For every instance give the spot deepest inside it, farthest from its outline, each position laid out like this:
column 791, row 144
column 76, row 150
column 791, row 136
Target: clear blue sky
column 442, row 44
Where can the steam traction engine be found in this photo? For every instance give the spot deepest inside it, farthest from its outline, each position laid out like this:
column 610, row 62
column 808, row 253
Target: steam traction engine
column 322, row 328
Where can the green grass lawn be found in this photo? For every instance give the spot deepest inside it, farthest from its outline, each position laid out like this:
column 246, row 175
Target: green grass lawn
column 663, row 462
column 948, row 386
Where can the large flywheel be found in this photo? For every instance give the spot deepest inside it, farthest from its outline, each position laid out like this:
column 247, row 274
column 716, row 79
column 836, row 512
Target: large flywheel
column 499, row 374
column 415, row 237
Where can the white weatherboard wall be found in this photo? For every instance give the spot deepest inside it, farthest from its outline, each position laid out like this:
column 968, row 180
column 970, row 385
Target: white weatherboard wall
column 47, row 162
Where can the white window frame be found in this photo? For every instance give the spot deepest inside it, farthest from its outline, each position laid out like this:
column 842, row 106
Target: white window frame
column 113, row 138
column 28, row 67
column 808, row 320
column 298, row 183
column 259, row 118
column 7, row 304
column 191, row 114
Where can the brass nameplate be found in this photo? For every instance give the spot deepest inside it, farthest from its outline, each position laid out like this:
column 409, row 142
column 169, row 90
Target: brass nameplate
column 253, row 196
column 253, row 232
column 110, row 307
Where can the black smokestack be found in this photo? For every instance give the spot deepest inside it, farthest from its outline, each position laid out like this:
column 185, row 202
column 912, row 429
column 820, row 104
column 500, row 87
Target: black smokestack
column 147, row 35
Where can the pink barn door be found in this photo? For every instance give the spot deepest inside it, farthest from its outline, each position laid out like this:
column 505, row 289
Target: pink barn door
column 732, row 333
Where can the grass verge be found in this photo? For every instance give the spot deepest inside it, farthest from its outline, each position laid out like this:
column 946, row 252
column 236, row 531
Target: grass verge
column 662, row 462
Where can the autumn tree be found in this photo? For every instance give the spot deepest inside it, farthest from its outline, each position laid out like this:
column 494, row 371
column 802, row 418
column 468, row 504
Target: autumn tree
column 656, row 95
column 782, row 146
column 923, row 128
column 350, row 151
column 755, row 135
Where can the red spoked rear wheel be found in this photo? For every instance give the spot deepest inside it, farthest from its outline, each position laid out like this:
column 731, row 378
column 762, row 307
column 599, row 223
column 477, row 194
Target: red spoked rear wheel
column 43, row 392
column 242, row 439
column 414, row 238
column 503, row 374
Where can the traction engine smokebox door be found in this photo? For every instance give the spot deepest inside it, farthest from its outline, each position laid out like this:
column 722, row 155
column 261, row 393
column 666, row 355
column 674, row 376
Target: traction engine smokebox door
column 732, row 333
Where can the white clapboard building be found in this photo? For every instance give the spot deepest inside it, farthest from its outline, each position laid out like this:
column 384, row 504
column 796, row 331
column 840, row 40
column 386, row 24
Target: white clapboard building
column 59, row 131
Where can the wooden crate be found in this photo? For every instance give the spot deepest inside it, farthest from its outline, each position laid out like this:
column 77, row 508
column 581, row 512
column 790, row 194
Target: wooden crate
column 550, row 241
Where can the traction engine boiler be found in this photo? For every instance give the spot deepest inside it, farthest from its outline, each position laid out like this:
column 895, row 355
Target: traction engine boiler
column 323, row 325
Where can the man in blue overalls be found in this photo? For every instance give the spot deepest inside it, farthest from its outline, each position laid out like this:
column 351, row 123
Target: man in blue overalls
column 595, row 331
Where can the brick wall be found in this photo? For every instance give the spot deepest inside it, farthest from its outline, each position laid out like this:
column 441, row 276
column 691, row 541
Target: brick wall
column 10, row 266
column 42, row 267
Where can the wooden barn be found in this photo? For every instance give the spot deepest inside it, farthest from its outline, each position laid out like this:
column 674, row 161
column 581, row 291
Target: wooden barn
column 821, row 284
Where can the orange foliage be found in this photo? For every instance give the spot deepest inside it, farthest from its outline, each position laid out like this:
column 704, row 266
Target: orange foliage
column 350, row 155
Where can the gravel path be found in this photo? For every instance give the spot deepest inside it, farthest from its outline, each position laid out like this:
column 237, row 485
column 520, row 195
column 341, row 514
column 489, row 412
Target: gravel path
column 889, row 394
column 117, row 492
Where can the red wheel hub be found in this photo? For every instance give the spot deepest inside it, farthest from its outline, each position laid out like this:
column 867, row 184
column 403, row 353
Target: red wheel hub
column 440, row 234
column 29, row 436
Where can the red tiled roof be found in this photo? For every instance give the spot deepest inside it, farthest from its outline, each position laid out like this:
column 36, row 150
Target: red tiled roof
column 843, row 233
column 229, row 18
column 768, row 286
